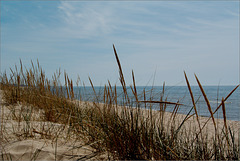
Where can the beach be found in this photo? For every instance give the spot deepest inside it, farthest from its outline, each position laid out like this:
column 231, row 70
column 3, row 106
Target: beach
column 37, row 139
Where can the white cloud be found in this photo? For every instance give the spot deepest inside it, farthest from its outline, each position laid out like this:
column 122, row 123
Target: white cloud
column 235, row 14
column 83, row 20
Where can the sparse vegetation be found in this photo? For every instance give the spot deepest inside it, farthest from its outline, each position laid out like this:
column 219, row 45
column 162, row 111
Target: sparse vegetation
column 123, row 131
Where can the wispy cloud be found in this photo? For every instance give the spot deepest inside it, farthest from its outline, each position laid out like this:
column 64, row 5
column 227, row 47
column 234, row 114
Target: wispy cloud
column 84, row 20
column 170, row 36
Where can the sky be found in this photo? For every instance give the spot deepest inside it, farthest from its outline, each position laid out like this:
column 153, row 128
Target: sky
column 158, row 40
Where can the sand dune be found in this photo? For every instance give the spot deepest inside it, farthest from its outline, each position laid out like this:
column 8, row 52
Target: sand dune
column 37, row 139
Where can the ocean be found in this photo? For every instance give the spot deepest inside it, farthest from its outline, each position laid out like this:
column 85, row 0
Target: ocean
column 175, row 94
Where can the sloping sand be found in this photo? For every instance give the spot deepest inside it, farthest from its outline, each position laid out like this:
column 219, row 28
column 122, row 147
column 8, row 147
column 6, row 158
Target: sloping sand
column 40, row 140
column 32, row 149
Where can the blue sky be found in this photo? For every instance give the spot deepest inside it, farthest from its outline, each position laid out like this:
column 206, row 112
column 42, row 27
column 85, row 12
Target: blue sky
column 156, row 39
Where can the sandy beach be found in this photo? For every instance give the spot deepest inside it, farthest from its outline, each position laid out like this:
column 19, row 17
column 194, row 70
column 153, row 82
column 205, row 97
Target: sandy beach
column 37, row 139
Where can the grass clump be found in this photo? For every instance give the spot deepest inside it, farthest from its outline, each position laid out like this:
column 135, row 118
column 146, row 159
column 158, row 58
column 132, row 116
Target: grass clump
column 127, row 130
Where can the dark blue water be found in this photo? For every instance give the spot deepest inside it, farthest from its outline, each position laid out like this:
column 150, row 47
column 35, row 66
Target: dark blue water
column 175, row 94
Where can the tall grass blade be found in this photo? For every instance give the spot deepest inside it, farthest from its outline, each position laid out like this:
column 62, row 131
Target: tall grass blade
column 92, row 87
column 207, row 101
column 193, row 102
column 134, row 85
column 225, row 121
column 161, row 102
column 122, row 80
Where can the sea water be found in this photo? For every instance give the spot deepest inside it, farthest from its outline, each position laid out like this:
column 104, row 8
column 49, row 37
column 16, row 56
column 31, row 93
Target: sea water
column 175, row 94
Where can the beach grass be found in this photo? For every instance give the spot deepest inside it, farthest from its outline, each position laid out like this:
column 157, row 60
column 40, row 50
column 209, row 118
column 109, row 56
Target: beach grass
column 126, row 130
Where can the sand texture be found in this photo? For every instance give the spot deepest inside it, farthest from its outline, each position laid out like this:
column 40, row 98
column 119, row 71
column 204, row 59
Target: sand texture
column 37, row 139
